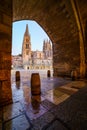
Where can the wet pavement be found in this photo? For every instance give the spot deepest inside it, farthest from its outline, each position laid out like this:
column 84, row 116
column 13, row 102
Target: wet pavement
column 62, row 105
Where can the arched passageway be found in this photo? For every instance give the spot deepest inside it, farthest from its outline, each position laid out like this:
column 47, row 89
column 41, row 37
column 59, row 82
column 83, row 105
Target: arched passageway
column 64, row 22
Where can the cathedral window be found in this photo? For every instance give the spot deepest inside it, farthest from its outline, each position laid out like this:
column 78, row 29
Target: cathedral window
column 27, row 46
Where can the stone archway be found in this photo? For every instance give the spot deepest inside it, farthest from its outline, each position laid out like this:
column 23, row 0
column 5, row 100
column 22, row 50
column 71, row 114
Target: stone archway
column 58, row 19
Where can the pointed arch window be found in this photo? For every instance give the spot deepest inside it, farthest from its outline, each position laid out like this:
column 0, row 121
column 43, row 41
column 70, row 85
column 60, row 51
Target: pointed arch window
column 27, row 46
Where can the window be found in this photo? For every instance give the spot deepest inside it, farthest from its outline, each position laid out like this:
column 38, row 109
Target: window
column 27, row 46
column 27, row 40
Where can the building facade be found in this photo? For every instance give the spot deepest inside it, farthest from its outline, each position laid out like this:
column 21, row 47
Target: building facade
column 35, row 59
column 17, row 62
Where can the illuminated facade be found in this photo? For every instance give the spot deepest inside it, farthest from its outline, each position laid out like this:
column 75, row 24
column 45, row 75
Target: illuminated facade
column 36, row 59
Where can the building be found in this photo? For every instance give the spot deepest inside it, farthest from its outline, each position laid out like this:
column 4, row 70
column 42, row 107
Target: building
column 34, row 59
column 17, row 62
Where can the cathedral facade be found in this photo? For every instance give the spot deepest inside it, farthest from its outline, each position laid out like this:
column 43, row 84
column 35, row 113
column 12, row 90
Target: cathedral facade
column 36, row 59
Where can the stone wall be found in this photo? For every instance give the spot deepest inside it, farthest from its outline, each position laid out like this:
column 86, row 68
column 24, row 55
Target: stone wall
column 66, row 57
column 5, row 52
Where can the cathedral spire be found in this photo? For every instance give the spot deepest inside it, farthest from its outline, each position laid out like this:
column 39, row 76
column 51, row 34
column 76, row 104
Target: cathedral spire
column 26, row 31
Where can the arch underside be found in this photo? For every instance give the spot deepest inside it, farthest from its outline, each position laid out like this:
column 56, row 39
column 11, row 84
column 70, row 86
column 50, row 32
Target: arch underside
column 57, row 18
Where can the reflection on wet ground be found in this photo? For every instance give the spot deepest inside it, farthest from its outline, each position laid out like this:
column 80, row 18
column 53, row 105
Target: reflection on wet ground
column 57, row 108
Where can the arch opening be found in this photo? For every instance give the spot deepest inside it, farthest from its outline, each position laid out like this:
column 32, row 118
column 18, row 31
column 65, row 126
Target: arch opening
column 31, row 47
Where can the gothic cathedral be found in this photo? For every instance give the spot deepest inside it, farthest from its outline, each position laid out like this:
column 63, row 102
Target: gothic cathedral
column 36, row 59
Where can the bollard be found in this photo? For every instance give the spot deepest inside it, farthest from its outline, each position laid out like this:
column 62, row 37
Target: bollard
column 35, row 105
column 17, row 76
column 18, row 84
column 35, row 84
column 74, row 75
column 48, row 73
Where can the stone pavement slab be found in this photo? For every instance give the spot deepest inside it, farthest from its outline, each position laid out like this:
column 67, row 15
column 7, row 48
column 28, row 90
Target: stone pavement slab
column 55, row 125
column 34, row 112
column 47, row 104
column 19, row 123
column 55, row 92
column 42, row 121
column 66, row 90
column 11, row 111
column 56, row 100
column 73, row 111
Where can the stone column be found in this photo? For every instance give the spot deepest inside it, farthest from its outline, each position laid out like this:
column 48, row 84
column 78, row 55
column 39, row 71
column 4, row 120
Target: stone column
column 81, row 38
column 5, row 52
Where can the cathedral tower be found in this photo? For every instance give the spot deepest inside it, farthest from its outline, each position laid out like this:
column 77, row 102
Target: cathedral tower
column 26, row 47
column 47, row 49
